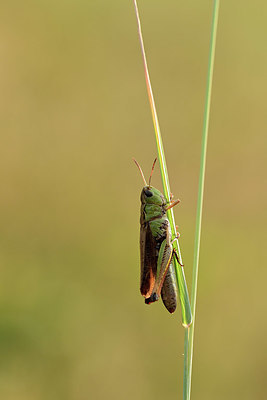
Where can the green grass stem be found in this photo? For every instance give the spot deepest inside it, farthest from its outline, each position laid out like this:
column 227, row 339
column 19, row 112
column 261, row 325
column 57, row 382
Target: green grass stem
column 180, row 276
column 189, row 333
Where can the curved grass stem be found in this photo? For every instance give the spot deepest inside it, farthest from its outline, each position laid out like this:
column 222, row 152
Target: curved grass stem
column 180, row 276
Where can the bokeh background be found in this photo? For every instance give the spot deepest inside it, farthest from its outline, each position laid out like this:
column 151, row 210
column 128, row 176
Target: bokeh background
column 73, row 113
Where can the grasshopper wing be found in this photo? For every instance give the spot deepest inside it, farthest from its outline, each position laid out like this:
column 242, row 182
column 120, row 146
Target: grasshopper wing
column 148, row 254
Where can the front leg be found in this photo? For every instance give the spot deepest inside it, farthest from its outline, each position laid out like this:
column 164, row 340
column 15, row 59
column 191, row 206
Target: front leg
column 173, row 203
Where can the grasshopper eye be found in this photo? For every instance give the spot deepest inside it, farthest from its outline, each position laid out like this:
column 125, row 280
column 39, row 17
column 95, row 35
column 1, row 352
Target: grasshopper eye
column 148, row 193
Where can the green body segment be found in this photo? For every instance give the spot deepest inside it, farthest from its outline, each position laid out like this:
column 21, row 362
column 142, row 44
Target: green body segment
column 153, row 211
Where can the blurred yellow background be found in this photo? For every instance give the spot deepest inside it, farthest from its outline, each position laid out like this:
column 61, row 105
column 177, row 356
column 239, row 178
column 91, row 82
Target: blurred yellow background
column 74, row 111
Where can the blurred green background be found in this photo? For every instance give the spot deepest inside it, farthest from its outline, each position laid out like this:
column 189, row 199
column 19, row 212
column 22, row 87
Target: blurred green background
column 73, row 113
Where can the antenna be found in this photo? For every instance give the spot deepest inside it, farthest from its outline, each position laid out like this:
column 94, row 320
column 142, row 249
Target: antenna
column 141, row 172
column 153, row 166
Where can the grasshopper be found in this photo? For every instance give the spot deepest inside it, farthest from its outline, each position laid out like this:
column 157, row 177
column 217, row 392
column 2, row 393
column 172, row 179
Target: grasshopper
column 156, row 250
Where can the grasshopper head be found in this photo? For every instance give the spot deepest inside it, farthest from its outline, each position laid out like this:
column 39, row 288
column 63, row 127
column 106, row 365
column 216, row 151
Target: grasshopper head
column 151, row 195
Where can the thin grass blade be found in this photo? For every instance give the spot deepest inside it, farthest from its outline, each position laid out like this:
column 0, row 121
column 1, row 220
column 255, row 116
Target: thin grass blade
column 189, row 333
